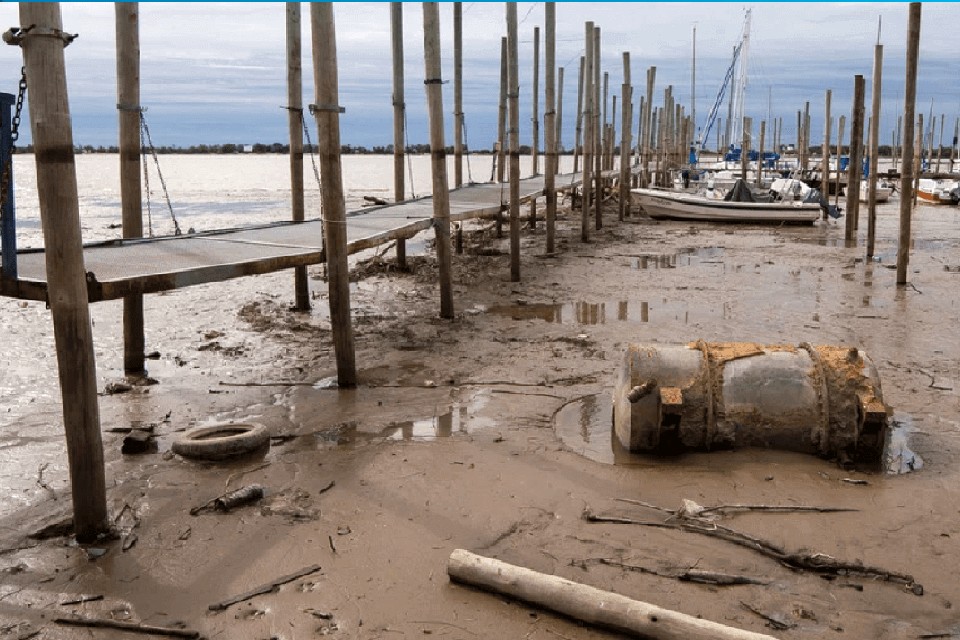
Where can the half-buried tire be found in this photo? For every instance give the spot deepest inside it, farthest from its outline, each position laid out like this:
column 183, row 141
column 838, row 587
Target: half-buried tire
column 221, row 441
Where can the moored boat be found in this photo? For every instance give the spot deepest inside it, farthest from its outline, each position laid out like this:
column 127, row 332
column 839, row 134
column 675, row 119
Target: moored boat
column 672, row 205
column 884, row 190
column 938, row 191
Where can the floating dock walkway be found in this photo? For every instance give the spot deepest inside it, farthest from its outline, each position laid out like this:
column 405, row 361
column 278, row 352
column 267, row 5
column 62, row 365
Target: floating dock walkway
column 117, row 268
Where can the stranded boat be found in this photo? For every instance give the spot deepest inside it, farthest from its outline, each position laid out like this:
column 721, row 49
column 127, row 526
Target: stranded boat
column 738, row 205
column 938, row 191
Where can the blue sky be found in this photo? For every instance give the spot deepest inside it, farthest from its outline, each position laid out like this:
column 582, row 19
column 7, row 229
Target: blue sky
column 215, row 72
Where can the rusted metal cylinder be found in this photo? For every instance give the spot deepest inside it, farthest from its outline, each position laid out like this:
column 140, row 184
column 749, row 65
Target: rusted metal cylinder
column 824, row 400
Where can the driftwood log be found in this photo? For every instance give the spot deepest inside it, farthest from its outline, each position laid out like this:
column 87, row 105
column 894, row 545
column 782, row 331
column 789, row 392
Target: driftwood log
column 586, row 603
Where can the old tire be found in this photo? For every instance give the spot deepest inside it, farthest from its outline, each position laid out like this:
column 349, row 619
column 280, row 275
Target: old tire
column 221, row 441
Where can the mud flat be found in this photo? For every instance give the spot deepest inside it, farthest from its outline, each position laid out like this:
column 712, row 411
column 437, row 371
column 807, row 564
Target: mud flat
column 492, row 433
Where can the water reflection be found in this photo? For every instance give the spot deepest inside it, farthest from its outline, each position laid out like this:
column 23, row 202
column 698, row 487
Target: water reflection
column 595, row 313
column 682, row 257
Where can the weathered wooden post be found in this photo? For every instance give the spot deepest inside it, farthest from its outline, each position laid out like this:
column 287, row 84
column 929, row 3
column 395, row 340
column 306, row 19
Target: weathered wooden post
column 327, row 114
column 648, row 126
column 745, row 146
column 763, row 135
column 854, row 169
column 578, row 132
column 301, row 289
column 535, row 123
column 825, row 161
column 558, row 141
column 128, row 106
column 626, row 142
column 502, row 141
column 458, row 94
column 940, row 144
column 66, row 280
column 918, row 157
column 874, row 148
column 514, row 100
column 550, row 122
column 586, row 183
column 399, row 108
column 906, row 174
column 597, row 134
column 438, row 153
column 841, row 125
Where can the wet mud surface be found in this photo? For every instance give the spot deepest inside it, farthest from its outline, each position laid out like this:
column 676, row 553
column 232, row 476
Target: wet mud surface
column 492, row 433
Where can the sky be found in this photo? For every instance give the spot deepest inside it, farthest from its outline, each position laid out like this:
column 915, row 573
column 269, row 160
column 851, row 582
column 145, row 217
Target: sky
column 214, row 73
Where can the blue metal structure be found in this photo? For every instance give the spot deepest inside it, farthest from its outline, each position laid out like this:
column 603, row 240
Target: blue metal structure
column 8, row 224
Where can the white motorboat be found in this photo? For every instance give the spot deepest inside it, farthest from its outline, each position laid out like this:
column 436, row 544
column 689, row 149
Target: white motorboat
column 672, row 205
column 884, row 189
column 938, row 191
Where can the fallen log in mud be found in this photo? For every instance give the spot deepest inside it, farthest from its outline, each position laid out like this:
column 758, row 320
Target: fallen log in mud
column 587, row 604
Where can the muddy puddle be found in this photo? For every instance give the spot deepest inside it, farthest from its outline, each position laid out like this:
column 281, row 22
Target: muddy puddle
column 585, row 427
column 610, row 311
column 683, row 258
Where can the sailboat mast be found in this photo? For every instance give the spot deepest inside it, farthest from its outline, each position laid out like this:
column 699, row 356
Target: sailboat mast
column 693, row 87
column 739, row 92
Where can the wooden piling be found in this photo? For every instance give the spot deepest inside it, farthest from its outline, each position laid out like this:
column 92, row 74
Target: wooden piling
column 841, row 125
column 327, row 114
column 550, row 122
column 399, row 108
column 626, row 142
column 604, row 121
column 128, row 107
column 558, row 140
column 587, row 183
column 502, row 141
column 301, row 288
column 597, row 133
column 535, row 123
column 66, row 281
column 578, row 133
column 745, row 146
column 458, row 94
column 940, row 144
column 854, row 168
column 876, row 92
column 906, row 174
column 825, row 161
column 438, row 153
column 513, row 94
column 648, row 126
column 763, row 135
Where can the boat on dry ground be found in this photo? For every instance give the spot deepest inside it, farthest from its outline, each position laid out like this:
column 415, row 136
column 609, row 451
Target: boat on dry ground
column 938, row 191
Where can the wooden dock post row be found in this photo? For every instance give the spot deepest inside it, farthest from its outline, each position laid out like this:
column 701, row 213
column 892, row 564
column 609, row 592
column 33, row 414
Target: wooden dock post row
column 874, row 148
column 295, row 121
column 909, row 108
column 854, row 170
column 399, row 108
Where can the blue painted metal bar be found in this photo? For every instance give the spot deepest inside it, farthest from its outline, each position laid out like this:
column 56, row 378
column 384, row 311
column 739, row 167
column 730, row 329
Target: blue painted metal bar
column 8, row 224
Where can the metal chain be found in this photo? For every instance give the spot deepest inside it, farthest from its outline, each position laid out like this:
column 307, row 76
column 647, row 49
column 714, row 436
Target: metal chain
column 14, row 135
column 406, row 139
column 146, row 179
column 313, row 157
column 163, row 184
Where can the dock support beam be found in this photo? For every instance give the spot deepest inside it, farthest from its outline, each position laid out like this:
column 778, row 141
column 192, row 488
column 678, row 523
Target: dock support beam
column 626, row 142
column 588, row 107
column 438, row 153
column 856, row 157
column 909, row 108
column 66, row 281
column 327, row 113
column 458, row 94
column 825, row 159
column 295, row 121
column 550, row 121
column 399, row 108
column 128, row 107
column 876, row 93
column 513, row 98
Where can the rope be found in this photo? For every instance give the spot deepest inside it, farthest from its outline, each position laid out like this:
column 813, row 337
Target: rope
column 466, row 148
column 406, row 141
column 145, row 131
column 146, row 180
column 313, row 157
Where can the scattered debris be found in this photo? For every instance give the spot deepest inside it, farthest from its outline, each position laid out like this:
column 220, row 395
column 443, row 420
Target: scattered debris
column 227, row 501
column 691, row 509
column 775, row 622
column 264, row 588
column 128, row 626
column 685, row 575
column 138, row 441
column 82, row 599
column 856, row 481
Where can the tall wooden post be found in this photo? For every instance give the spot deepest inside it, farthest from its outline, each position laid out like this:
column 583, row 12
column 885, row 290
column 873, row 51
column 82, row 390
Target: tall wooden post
column 906, row 174
column 587, row 183
column 940, row 144
column 458, row 94
column 876, row 92
column 514, row 100
column 626, row 142
column 648, row 126
column 327, row 114
column 953, row 145
column 806, row 135
column 597, row 135
column 438, row 153
column 301, row 287
column 550, row 121
column 535, row 122
column 578, row 132
column 128, row 105
column 841, row 125
column 918, row 157
column 897, row 142
column 502, row 141
column 825, row 161
column 399, row 109
column 558, row 140
column 745, row 146
column 604, row 122
column 854, row 169
column 535, row 118
column 66, row 280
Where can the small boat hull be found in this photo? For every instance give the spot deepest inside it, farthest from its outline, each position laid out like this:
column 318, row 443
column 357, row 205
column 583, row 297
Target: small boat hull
column 883, row 192
column 666, row 205
column 938, row 191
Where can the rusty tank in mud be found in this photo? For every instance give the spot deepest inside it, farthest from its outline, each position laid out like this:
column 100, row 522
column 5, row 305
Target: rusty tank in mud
column 824, row 400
